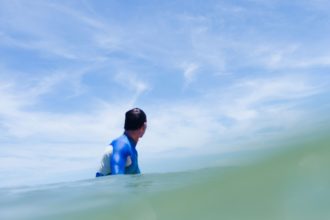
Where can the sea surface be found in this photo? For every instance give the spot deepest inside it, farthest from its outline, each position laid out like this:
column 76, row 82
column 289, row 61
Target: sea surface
column 290, row 184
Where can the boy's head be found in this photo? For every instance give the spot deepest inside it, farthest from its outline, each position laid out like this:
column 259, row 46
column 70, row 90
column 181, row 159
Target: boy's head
column 135, row 119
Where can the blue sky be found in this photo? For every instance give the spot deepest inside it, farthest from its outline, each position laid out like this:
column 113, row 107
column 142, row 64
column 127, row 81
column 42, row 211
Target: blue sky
column 219, row 74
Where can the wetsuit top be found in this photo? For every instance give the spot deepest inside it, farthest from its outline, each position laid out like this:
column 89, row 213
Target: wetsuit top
column 124, row 147
column 122, row 159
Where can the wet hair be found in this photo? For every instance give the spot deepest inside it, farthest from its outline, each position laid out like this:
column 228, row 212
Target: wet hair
column 134, row 119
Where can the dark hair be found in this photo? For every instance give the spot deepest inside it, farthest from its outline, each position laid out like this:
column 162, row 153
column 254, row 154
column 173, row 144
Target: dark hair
column 134, row 119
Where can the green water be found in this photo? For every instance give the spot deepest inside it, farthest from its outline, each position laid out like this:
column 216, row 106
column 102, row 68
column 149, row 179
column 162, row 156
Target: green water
column 292, row 184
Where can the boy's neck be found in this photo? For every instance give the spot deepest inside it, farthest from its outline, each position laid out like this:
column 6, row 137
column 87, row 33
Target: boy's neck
column 133, row 134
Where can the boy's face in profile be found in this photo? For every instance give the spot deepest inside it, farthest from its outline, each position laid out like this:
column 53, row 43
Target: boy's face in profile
column 143, row 129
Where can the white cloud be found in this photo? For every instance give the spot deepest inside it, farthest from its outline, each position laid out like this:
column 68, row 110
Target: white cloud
column 320, row 61
column 132, row 82
column 8, row 102
column 43, row 42
column 18, row 92
column 21, row 122
column 55, row 127
column 250, row 106
column 189, row 72
column 282, row 87
column 72, row 35
column 289, row 56
column 274, row 57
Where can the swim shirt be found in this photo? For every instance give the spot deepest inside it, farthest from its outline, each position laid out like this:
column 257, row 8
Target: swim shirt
column 120, row 158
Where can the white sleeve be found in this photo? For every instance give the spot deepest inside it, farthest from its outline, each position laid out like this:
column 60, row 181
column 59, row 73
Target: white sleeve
column 105, row 163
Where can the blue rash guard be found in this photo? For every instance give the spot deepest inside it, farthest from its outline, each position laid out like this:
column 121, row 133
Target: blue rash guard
column 123, row 150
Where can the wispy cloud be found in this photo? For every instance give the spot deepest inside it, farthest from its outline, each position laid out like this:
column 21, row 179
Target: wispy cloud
column 131, row 82
column 22, row 123
column 189, row 72
column 37, row 30
column 237, row 112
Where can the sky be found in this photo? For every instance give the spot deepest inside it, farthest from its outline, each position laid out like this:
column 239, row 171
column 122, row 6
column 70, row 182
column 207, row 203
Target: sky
column 212, row 76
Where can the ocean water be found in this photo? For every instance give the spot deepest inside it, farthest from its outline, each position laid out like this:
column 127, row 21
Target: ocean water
column 290, row 184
